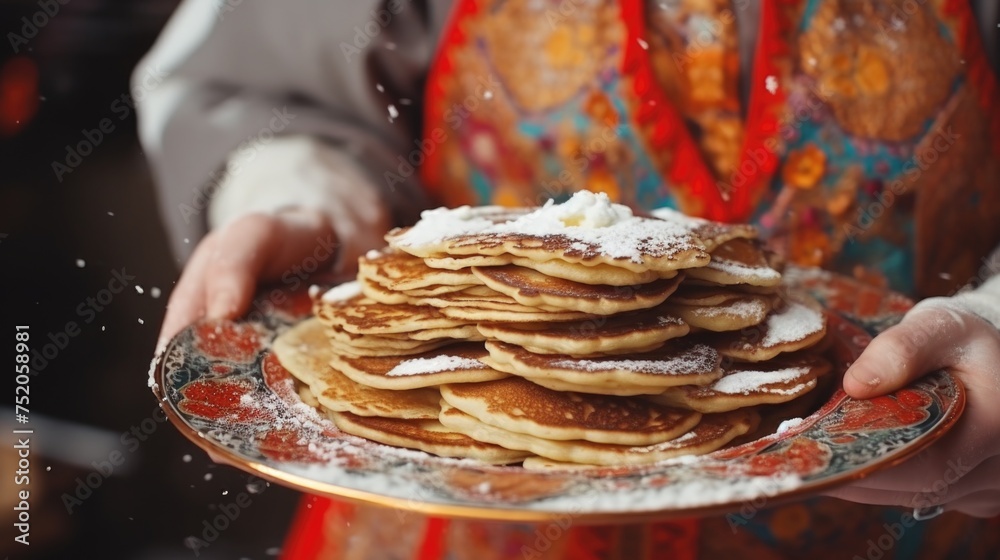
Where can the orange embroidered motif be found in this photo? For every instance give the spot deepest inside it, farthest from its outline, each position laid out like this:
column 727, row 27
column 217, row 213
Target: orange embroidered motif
column 804, row 168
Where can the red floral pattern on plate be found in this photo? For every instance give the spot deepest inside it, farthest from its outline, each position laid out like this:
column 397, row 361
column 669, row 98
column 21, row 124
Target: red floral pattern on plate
column 215, row 399
column 802, row 457
column 228, row 341
column 904, row 408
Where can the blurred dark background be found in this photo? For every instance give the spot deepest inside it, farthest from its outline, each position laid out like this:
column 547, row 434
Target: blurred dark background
column 64, row 232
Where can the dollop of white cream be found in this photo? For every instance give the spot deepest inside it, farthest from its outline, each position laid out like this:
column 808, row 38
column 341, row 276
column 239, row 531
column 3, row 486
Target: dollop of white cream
column 343, row 292
column 588, row 210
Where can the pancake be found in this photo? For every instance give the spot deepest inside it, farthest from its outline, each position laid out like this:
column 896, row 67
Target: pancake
column 497, row 302
column 795, row 327
column 738, row 261
column 617, row 334
column 587, row 229
column 536, row 463
column 697, row 295
column 458, row 363
column 712, row 234
column 386, row 351
column 429, row 436
column 534, row 289
column 675, row 363
column 479, row 315
column 519, row 405
column 360, row 315
column 493, row 300
column 597, row 274
column 307, row 397
column 711, row 433
column 690, row 282
column 399, row 271
column 436, row 290
column 743, row 385
column 467, row 333
column 304, row 352
column 467, row 261
column 343, row 339
column 736, row 314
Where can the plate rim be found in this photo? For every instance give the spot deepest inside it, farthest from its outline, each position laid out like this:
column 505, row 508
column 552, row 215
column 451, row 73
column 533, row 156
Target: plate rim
column 226, row 456
column 507, row 514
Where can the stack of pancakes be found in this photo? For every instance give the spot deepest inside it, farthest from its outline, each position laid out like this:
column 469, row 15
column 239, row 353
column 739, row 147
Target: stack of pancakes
column 570, row 334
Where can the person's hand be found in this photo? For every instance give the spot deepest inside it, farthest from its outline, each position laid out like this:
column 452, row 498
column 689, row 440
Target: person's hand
column 961, row 472
column 222, row 275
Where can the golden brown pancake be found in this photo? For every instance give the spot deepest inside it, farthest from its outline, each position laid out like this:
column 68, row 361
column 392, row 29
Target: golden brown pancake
column 793, row 328
column 697, row 295
column 466, row 262
column 608, row 335
column 360, row 315
column 743, row 385
column 304, row 352
column 711, row 433
column 458, row 363
column 436, row 290
column 675, row 363
column 555, row 232
column 401, row 272
column 479, row 315
column 712, row 234
column 740, row 313
column 387, row 351
column 597, row 274
column 429, row 436
column 738, row 261
column 534, row 289
column 479, row 300
column 518, row 405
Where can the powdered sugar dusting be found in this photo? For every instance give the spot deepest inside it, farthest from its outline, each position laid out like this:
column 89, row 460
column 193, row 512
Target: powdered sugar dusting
column 739, row 308
column 437, row 364
column 343, row 292
column 697, row 359
column 588, row 222
column 684, row 491
column 794, row 324
column 789, row 424
column 743, row 270
column 151, row 381
column 746, row 382
column 675, row 443
column 671, row 215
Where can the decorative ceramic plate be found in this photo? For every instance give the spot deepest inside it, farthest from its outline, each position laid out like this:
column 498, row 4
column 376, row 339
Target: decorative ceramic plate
column 224, row 390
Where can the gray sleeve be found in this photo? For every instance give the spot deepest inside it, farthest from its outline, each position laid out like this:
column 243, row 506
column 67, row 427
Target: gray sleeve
column 987, row 13
column 235, row 74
